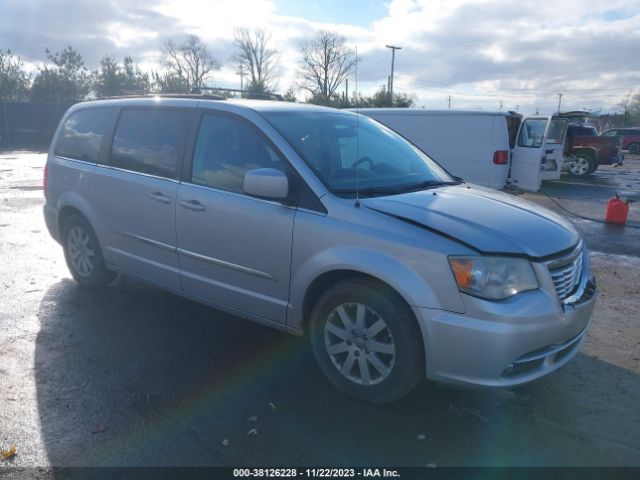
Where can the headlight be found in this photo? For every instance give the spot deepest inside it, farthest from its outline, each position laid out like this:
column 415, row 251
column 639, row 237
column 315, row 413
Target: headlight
column 493, row 278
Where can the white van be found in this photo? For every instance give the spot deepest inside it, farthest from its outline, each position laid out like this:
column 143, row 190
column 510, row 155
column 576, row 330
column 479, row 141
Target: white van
column 485, row 148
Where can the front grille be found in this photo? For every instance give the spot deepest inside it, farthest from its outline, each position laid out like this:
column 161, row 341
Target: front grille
column 566, row 272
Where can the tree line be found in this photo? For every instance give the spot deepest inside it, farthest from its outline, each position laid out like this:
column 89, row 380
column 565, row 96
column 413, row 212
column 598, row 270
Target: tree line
column 628, row 111
column 326, row 63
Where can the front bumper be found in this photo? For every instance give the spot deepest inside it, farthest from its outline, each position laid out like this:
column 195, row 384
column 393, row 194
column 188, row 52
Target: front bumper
column 503, row 344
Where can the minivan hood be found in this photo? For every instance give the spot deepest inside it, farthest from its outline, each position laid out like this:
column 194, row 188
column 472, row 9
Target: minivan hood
column 487, row 220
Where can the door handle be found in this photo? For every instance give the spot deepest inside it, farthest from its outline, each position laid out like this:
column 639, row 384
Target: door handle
column 192, row 205
column 159, row 197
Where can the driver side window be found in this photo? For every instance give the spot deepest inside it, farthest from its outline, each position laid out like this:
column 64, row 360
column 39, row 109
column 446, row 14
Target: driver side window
column 226, row 149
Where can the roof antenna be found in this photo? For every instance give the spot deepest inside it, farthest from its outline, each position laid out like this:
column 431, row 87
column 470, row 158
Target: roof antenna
column 357, row 202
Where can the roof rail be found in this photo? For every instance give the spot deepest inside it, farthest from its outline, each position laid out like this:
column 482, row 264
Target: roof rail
column 233, row 92
column 130, row 94
column 206, row 93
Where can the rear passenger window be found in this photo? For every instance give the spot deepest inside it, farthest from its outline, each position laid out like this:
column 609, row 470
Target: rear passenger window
column 151, row 141
column 226, row 149
column 82, row 134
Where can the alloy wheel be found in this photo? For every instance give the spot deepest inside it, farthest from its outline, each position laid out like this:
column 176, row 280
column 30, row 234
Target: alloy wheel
column 359, row 343
column 81, row 251
column 580, row 166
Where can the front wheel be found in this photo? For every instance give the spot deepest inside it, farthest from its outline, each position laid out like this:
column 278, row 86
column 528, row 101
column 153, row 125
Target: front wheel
column 634, row 147
column 83, row 255
column 582, row 166
column 366, row 341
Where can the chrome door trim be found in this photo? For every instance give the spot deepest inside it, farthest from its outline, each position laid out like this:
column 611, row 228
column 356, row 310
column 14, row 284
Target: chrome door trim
column 134, row 172
column 149, row 241
column 69, row 159
column 222, row 263
column 208, row 188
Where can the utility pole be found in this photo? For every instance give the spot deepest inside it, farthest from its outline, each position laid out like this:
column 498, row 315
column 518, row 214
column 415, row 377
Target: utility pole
column 346, row 89
column 241, row 79
column 559, row 101
column 449, row 101
column 393, row 59
column 517, row 108
column 500, row 105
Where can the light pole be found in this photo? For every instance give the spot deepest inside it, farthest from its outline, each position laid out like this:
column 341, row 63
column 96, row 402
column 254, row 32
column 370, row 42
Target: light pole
column 559, row 101
column 393, row 59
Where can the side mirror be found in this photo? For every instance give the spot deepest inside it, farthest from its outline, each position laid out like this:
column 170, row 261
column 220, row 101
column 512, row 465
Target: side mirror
column 266, row 183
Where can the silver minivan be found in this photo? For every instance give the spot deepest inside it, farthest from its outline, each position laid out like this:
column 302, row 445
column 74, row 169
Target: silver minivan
column 321, row 223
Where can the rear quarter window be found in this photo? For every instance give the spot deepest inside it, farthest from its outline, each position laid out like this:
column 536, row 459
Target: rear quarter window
column 83, row 134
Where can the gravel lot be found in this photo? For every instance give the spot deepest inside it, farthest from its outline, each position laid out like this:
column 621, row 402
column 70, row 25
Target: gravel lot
column 134, row 376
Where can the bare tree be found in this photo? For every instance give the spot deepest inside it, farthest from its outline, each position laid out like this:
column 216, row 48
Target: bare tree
column 187, row 65
column 630, row 106
column 257, row 59
column 626, row 104
column 326, row 62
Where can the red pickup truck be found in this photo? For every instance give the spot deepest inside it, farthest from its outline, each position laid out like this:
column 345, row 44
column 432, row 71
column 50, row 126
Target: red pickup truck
column 630, row 138
column 587, row 149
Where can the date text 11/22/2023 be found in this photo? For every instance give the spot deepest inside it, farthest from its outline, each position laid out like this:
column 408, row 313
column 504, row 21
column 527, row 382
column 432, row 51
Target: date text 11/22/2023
column 315, row 472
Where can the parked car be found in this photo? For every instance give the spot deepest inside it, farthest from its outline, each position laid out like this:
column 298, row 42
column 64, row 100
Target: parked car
column 322, row 223
column 492, row 149
column 630, row 138
column 585, row 150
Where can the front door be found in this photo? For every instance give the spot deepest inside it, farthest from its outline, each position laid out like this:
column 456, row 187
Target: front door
column 234, row 250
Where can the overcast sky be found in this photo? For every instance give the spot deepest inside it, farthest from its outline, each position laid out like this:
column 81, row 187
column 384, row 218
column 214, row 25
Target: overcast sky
column 522, row 53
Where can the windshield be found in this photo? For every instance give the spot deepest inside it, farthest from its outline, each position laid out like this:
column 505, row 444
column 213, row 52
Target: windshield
column 339, row 145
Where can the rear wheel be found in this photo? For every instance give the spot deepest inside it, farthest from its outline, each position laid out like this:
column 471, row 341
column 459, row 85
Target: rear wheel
column 582, row 166
column 366, row 341
column 83, row 255
column 634, row 147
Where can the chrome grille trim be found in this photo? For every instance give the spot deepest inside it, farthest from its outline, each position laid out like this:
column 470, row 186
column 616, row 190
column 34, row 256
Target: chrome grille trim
column 566, row 272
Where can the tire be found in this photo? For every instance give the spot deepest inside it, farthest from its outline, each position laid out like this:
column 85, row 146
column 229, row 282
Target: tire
column 634, row 147
column 582, row 166
column 378, row 368
column 83, row 255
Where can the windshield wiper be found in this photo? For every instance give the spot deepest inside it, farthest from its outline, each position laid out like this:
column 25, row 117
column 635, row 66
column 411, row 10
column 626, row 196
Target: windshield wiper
column 427, row 184
column 395, row 190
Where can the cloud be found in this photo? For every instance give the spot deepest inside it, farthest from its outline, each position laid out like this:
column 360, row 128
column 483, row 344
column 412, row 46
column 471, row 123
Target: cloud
column 522, row 52
column 480, row 52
